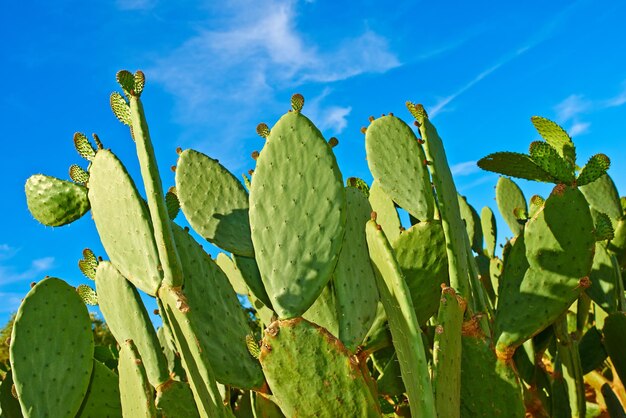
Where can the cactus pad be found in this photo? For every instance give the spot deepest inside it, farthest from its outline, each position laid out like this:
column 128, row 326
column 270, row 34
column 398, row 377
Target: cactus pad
column 214, row 202
column 300, row 358
column 398, row 164
column 55, row 202
column 490, row 232
column 123, row 222
column 103, row 396
column 120, row 108
column 510, row 197
column 595, row 168
column 297, row 214
column 551, row 162
column 556, row 137
column 386, row 213
column 52, row 350
column 137, row 396
column 515, row 165
column 83, row 146
column 78, row 174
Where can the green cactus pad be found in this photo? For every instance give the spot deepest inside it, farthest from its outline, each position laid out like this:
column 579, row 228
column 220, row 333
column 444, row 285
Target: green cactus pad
column 536, row 203
column 172, row 203
column 123, row 222
column 354, row 280
column 9, row 405
column 472, row 224
column 604, row 227
column 421, row 254
column 595, row 168
column 551, row 162
column 540, row 284
column 214, row 202
column 55, row 202
column 88, row 264
column 301, row 358
column 447, row 354
column 490, row 232
column 602, row 196
column 360, row 185
column 120, row 108
column 52, row 350
column 264, row 408
column 297, row 214
column 87, row 294
column 323, row 312
column 603, row 276
column 556, row 137
column 137, row 396
column 386, row 213
column 407, row 336
column 217, row 316
column 103, row 396
column 78, row 174
column 614, row 333
column 83, row 146
column 127, row 318
column 232, row 272
column 515, row 165
column 175, row 399
column 251, row 275
column 509, row 197
column 489, row 387
column 398, row 164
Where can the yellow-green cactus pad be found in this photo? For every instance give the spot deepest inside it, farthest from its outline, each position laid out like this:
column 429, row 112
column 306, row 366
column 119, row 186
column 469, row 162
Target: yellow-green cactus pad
column 55, row 202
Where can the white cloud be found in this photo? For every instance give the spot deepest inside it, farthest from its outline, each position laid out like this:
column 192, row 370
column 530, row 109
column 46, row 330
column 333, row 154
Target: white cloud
column 10, row 274
column 616, row 101
column 571, row 107
column 327, row 118
column 579, row 128
column 464, row 169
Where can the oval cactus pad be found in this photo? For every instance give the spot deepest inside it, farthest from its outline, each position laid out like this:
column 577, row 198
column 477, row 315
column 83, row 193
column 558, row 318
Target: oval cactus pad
column 55, row 202
column 52, row 350
column 297, row 214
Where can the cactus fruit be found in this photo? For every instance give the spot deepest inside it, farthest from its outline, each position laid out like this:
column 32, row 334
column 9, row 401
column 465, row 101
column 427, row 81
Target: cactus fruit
column 55, row 202
column 52, row 350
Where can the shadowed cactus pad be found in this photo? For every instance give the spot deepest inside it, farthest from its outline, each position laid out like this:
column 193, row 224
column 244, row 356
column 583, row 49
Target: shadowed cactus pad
column 55, row 202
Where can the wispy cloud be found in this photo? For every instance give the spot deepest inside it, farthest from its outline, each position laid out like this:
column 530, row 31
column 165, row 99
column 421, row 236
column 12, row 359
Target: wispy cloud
column 464, row 169
column 571, row 107
column 11, row 274
column 579, row 128
column 333, row 119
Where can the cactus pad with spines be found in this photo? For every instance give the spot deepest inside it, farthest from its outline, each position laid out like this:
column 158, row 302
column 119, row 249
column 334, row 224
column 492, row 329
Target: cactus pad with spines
column 323, row 312
column 87, row 294
column 55, row 202
column 595, row 168
column 88, row 264
column 297, row 214
column 614, row 339
column 214, row 202
column 103, row 397
column 556, row 137
column 386, row 213
column 137, row 396
column 603, row 197
column 175, row 399
column 216, row 315
column 472, row 224
column 9, row 405
column 83, row 146
column 421, row 254
column 120, row 108
column 123, row 222
column 509, row 197
column 551, row 162
column 398, row 164
column 490, row 232
column 127, row 318
column 299, row 357
column 52, row 350
column 515, row 165
column 172, row 203
column 78, row 174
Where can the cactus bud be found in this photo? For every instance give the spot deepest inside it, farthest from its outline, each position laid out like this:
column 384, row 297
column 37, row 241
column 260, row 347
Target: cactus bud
column 179, row 150
column 373, row 216
column 255, row 155
column 333, row 142
column 363, row 129
column 297, row 102
column 263, row 130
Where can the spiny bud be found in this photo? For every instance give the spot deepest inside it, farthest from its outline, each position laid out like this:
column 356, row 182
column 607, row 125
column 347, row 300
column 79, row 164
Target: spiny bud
column 87, row 294
column 255, row 155
column 78, row 175
column 373, row 216
column 253, row 346
column 333, row 142
column 297, row 102
column 363, row 129
column 33, row 284
column 420, row 141
column 156, row 312
column 83, row 146
column 250, row 172
column 96, row 139
column 173, row 168
column 179, row 150
column 371, row 118
column 262, row 130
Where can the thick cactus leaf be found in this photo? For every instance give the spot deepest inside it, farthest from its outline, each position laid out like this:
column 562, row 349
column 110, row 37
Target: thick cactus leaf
column 602, row 196
column 551, row 162
column 509, row 197
column 515, row 165
column 354, row 280
column 386, row 213
column 604, row 227
column 232, row 272
column 216, row 314
column 78, row 174
column 604, row 277
column 297, row 214
column 490, row 232
column 140, row 82
column 52, row 342
column 591, row 350
column 556, row 137
column 9, row 405
column 407, row 336
column 421, row 254
column 137, row 396
column 489, row 387
column 172, row 203
column 83, row 146
column 214, row 202
column 120, row 108
column 87, row 294
column 103, row 397
column 299, row 358
column 55, row 202
column 127, row 318
column 123, row 222
column 175, row 399
column 398, row 164
column 595, row 168
column 536, row 203
column 126, row 80
column 472, row 224
column 323, row 312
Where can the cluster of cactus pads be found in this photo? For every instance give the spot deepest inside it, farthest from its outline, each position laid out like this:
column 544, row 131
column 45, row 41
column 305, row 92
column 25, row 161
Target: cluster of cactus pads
column 349, row 313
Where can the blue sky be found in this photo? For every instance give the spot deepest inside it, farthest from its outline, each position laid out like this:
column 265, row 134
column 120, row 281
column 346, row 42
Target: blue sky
column 216, row 69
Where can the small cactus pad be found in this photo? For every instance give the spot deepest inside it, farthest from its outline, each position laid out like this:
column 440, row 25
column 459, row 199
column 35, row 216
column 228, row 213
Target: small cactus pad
column 126, row 80
column 88, row 264
column 297, row 214
column 52, row 350
column 103, row 396
column 359, row 184
column 407, row 336
column 472, row 224
column 515, row 165
column 421, row 254
column 604, row 227
column 354, row 280
column 386, row 213
column 214, row 309
column 172, row 203
column 297, row 102
column 396, row 161
column 55, row 202
column 551, row 162
column 78, row 174
column 83, row 146
column 123, row 222
column 323, row 312
column 137, row 396
column 556, row 137
column 120, row 108
column 595, row 168
column 490, row 232
column 510, row 197
column 87, row 294
column 602, row 196
column 214, row 202
column 127, row 318
column 175, row 399
column 301, row 358
column 489, row 387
